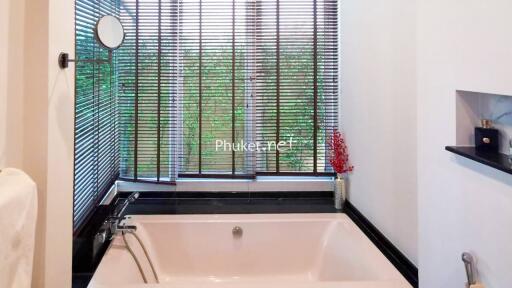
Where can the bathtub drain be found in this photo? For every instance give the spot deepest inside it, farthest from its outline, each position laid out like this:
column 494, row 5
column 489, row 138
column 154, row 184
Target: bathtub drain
column 237, row 231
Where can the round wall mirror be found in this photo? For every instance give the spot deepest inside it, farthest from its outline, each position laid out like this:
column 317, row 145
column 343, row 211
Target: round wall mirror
column 110, row 32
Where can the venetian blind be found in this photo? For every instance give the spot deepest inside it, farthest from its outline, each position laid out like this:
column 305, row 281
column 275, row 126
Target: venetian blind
column 194, row 74
column 96, row 146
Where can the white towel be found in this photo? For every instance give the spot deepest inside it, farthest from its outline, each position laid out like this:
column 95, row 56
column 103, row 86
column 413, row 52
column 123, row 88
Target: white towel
column 18, row 213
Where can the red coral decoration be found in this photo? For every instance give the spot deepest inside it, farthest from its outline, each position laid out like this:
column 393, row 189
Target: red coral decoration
column 339, row 153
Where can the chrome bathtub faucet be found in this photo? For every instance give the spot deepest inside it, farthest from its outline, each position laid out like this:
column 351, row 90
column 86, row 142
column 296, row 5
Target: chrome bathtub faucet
column 111, row 226
column 112, row 223
column 126, row 228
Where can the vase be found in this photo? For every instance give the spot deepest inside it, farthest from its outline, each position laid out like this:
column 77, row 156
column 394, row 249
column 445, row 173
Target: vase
column 340, row 193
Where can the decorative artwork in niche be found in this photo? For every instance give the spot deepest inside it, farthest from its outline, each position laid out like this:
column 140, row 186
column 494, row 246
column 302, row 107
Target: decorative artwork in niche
column 472, row 107
column 499, row 110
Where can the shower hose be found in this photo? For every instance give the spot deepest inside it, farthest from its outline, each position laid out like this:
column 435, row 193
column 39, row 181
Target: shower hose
column 137, row 260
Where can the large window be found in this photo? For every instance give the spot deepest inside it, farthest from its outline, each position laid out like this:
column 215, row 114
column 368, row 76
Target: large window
column 96, row 140
column 197, row 73
column 204, row 88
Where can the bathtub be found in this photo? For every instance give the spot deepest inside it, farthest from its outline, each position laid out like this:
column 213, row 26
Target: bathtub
column 270, row 251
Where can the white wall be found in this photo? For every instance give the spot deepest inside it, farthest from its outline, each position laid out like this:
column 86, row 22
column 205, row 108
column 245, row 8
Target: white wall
column 378, row 115
column 36, row 122
column 61, row 107
column 11, row 83
column 4, row 35
column 463, row 206
column 49, row 135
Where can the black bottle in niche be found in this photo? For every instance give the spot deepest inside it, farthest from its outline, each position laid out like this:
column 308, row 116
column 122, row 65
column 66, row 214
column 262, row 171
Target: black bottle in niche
column 486, row 137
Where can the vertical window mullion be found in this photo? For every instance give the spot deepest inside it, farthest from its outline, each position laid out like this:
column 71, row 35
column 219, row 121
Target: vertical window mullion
column 177, row 95
column 159, row 69
column 233, row 64
column 112, row 131
column 136, row 100
column 278, row 81
column 315, row 87
column 96, row 95
column 200, row 85
column 251, row 128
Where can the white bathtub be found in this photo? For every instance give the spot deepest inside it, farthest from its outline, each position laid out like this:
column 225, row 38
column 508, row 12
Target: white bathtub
column 275, row 251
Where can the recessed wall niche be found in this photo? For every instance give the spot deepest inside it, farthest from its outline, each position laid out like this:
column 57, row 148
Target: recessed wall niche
column 474, row 106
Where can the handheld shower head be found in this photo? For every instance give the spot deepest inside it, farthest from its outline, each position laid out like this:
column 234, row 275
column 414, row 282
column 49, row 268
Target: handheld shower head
column 133, row 197
column 469, row 263
column 118, row 210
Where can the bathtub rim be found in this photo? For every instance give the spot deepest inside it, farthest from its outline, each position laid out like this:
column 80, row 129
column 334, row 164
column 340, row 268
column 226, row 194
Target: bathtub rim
column 265, row 217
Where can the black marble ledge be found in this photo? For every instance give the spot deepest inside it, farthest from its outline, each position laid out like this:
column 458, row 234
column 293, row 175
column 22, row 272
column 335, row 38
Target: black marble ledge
column 230, row 206
column 498, row 161
column 84, row 263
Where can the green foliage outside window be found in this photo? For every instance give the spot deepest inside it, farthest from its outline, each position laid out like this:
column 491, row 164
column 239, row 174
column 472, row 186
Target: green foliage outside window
column 296, row 110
